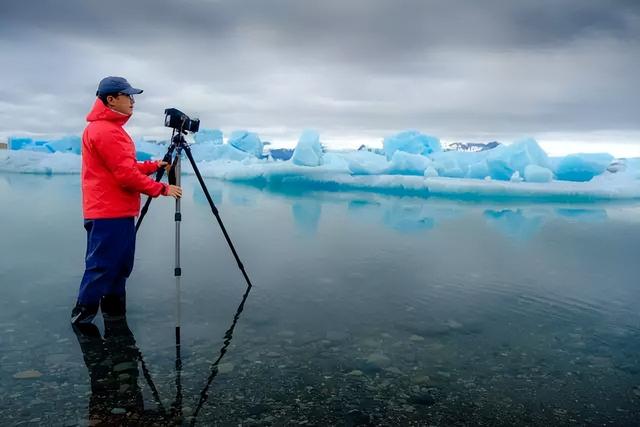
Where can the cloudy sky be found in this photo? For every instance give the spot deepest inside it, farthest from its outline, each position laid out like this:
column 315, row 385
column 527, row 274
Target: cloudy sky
column 562, row 71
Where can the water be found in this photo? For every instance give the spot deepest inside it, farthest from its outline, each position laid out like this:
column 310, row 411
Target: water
column 365, row 309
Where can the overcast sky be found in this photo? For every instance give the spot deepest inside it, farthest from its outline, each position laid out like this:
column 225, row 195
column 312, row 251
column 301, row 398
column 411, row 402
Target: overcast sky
column 563, row 71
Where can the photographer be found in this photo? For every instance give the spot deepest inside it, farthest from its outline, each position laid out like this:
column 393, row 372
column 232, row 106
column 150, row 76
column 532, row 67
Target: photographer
column 112, row 181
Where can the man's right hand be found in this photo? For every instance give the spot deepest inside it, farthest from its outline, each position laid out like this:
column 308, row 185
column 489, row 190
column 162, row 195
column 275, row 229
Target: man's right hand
column 174, row 191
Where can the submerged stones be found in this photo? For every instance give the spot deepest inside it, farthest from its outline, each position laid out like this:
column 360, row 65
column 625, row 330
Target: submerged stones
column 356, row 417
column 422, row 398
column 27, row 375
column 336, row 335
column 420, row 379
column 394, row 370
column 377, row 361
column 225, row 368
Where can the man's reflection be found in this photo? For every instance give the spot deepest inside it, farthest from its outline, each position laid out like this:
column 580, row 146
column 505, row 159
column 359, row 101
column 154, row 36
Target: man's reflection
column 112, row 361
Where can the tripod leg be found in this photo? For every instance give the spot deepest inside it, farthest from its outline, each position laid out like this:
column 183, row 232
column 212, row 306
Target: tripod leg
column 187, row 150
column 159, row 174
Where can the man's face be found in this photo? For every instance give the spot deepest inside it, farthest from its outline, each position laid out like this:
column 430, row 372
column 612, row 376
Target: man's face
column 122, row 103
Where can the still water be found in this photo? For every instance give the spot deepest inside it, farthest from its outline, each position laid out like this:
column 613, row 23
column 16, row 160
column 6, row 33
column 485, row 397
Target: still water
column 365, row 309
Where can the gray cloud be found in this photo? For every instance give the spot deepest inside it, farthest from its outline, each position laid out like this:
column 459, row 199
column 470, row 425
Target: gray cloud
column 351, row 69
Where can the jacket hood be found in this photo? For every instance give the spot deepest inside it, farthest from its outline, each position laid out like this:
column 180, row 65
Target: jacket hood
column 102, row 112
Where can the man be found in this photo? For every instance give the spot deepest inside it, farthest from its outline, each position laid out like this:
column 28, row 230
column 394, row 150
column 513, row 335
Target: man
column 112, row 181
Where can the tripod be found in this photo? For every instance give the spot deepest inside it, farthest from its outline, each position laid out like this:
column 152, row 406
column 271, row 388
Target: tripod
column 179, row 145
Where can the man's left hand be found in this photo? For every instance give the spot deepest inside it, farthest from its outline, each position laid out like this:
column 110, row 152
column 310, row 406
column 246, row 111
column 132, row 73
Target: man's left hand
column 165, row 165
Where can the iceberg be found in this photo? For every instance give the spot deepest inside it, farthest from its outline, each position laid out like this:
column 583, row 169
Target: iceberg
column 366, row 163
column 146, row 150
column 66, row 144
column 479, row 170
column 456, row 164
column 308, row 152
column 535, row 173
column 430, row 172
column 36, row 162
column 521, row 170
column 209, row 136
column 218, row 152
column 411, row 141
column 403, row 163
column 248, row 142
column 505, row 160
column 17, row 143
column 582, row 167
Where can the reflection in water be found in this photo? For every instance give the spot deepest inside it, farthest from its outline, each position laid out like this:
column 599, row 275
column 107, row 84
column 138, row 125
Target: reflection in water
column 215, row 191
column 584, row 215
column 517, row 224
column 407, row 218
column 524, row 223
column 112, row 362
column 228, row 336
column 411, row 214
column 241, row 199
column 306, row 214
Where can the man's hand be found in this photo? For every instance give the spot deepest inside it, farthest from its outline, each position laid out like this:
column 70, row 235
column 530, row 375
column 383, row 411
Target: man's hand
column 174, row 191
column 165, row 165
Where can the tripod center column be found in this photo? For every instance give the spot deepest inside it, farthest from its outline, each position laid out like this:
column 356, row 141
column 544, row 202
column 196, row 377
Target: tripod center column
column 178, row 219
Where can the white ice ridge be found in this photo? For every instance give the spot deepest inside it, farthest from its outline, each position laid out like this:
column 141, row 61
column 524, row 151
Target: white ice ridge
column 409, row 164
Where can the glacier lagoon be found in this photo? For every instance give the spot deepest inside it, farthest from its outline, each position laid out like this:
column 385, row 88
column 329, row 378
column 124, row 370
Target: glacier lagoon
column 366, row 308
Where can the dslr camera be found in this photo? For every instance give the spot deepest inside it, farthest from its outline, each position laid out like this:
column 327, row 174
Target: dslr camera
column 178, row 120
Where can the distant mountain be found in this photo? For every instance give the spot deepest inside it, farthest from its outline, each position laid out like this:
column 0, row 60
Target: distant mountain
column 371, row 149
column 472, row 146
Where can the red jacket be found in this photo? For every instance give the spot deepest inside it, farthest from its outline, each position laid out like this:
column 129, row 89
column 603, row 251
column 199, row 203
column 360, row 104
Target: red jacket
column 112, row 179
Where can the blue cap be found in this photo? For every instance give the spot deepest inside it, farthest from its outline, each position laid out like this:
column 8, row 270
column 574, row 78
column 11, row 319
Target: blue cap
column 116, row 85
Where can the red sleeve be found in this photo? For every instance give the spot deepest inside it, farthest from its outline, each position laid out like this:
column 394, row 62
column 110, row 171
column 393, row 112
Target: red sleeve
column 118, row 153
column 148, row 167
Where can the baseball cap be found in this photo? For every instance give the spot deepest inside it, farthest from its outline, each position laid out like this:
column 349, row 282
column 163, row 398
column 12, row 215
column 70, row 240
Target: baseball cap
column 113, row 84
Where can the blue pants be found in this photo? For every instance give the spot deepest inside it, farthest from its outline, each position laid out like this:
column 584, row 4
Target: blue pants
column 111, row 245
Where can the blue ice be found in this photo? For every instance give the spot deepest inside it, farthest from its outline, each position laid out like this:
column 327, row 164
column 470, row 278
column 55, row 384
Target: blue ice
column 535, row 173
column 582, row 167
column 209, row 136
column 66, row 144
column 308, row 152
column 411, row 141
column 249, row 142
column 411, row 164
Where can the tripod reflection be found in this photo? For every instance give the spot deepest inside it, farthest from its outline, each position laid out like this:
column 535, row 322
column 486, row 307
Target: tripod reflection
column 114, row 363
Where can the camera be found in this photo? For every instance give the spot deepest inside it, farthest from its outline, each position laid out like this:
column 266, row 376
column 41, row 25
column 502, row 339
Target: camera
column 178, row 120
